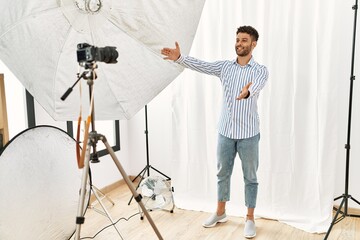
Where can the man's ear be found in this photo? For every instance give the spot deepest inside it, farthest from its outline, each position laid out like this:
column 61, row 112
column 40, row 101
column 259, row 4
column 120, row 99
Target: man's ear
column 254, row 44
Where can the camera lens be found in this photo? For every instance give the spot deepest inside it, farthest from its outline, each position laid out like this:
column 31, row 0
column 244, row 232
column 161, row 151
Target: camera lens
column 108, row 54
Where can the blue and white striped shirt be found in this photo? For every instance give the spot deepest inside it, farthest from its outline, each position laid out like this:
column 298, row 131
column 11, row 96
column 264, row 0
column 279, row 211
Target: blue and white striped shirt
column 239, row 119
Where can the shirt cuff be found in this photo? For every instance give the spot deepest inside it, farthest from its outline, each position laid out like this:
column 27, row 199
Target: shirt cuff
column 180, row 59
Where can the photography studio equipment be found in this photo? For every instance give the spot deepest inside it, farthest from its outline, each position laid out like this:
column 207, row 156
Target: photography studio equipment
column 39, row 181
column 88, row 53
column 47, row 40
column 146, row 169
column 343, row 209
column 91, row 140
column 157, row 194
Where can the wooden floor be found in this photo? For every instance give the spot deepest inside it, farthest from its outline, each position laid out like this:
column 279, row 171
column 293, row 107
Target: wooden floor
column 186, row 225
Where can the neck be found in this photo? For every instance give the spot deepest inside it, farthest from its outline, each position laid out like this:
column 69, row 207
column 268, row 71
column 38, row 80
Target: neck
column 243, row 60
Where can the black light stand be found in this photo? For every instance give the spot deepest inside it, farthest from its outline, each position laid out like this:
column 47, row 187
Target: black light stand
column 345, row 197
column 148, row 166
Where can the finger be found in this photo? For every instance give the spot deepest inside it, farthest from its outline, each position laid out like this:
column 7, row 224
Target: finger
column 248, row 85
column 240, row 96
column 177, row 45
column 166, row 53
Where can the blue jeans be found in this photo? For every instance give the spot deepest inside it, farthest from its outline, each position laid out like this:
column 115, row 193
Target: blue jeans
column 248, row 150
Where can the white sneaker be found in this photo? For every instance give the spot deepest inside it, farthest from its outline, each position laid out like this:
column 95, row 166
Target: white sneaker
column 214, row 219
column 249, row 229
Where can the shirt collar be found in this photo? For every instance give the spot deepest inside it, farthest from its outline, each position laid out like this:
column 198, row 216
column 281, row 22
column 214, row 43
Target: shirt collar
column 250, row 63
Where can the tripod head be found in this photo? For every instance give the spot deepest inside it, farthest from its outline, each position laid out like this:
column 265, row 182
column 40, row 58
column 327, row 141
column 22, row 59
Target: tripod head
column 89, row 72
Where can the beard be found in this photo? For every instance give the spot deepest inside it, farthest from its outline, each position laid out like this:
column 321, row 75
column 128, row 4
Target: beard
column 243, row 51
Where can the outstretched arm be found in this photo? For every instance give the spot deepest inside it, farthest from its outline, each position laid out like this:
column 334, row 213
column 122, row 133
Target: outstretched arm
column 171, row 53
column 190, row 62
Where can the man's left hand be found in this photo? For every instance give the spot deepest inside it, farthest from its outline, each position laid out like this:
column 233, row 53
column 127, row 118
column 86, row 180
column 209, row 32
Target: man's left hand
column 244, row 92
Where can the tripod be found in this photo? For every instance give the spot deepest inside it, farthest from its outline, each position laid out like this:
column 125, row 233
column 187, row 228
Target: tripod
column 345, row 197
column 92, row 140
column 147, row 168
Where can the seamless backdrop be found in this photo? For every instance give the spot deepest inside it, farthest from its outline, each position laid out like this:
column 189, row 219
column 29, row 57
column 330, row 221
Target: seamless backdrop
column 306, row 46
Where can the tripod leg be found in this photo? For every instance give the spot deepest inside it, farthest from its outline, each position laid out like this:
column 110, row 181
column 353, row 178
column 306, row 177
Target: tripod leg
column 80, row 219
column 131, row 187
column 335, row 220
column 95, row 189
column 142, row 177
column 142, row 173
column 106, row 212
column 167, row 177
column 354, row 200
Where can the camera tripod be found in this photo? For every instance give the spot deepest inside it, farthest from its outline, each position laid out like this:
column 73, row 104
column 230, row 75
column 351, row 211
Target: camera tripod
column 92, row 139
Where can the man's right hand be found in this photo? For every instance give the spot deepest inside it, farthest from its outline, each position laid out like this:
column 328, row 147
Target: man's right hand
column 171, row 53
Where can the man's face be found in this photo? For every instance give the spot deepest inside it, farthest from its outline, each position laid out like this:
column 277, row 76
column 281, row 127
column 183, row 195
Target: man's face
column 244, row 44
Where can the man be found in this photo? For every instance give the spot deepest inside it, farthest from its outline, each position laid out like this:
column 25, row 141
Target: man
column 242, row 80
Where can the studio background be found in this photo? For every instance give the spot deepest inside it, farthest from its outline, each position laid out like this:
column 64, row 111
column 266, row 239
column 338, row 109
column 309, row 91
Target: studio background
column 306, row 46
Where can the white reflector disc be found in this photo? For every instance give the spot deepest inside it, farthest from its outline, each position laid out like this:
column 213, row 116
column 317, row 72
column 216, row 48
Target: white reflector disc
column 39, row 185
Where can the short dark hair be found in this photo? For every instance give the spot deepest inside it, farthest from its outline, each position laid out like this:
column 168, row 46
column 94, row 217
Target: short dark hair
column 249, row 30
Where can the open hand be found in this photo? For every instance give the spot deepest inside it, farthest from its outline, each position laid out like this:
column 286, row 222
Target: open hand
column 171, row 53
column 244, row 92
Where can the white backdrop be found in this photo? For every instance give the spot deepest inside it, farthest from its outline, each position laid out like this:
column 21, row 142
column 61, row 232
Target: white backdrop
column 307, row 47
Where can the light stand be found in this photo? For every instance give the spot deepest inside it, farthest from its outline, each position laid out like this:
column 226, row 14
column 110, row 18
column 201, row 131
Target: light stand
column 345, row 197
column 147, row 168
column 92, row 140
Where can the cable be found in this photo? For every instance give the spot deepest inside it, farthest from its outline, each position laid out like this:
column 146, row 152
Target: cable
column 126, row 219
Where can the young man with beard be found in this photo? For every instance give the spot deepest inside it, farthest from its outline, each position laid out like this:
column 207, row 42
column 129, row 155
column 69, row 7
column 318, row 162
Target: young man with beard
column 242, row 80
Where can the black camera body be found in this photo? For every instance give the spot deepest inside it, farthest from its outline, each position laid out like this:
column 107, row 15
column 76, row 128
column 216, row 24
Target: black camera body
column 87, row 53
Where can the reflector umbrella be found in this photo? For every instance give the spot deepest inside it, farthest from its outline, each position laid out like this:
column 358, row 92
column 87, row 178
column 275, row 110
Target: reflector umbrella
column 38, row 43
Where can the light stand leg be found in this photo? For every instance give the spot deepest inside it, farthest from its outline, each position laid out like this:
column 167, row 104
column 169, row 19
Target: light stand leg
column 130, row 185
column 106, row 212
column 141, row 175
column 100, row 195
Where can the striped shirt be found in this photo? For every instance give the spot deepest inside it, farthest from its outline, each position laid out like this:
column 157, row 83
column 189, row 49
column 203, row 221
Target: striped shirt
column 239, row 119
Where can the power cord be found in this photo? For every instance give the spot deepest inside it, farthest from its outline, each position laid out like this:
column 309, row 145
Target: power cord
column 110, row 225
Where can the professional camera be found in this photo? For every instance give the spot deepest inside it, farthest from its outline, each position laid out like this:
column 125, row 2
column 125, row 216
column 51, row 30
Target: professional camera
column 88, row 53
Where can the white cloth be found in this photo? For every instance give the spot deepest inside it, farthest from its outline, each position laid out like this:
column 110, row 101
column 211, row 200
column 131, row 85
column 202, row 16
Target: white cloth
column 298, row 109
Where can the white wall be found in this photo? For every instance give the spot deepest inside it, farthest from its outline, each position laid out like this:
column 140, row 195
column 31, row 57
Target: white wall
column 15, row 102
